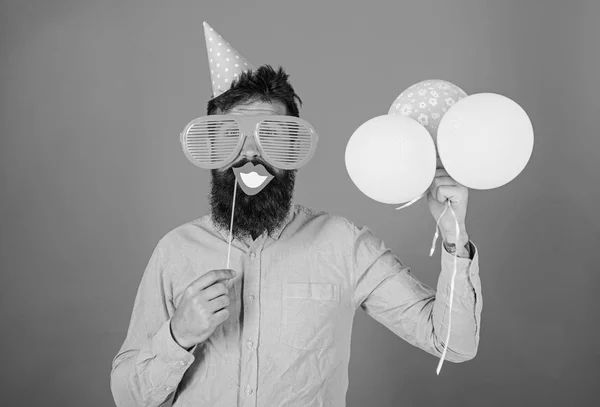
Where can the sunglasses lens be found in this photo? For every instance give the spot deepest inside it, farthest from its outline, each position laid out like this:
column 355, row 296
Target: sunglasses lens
column 211, row 143
column 286, row 143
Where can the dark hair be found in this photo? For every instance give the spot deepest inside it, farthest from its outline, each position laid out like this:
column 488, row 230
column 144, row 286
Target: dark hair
column 263, row 84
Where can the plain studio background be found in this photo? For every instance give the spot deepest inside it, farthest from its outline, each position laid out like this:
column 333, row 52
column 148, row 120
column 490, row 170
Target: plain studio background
column 95, row 94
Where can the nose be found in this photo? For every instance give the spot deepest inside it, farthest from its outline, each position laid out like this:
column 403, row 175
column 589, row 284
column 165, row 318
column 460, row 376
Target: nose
column 249, row 148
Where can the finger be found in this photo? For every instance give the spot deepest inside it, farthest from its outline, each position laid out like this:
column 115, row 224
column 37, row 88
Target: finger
column 440, row 172
column 447, row 192
column 215, row 291
column 211, row 277
column 443, row 180
column 221, row 316
column 438, row 182
column 217, row 304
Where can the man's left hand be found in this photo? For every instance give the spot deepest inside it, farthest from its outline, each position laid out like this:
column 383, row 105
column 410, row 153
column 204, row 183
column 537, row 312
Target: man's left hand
column 444, row 188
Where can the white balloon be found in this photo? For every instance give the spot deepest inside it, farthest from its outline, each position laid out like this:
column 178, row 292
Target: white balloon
column 485, row 140
column 391, row 159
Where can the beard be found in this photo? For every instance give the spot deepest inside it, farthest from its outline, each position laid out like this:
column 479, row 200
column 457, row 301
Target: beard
column 254, row 214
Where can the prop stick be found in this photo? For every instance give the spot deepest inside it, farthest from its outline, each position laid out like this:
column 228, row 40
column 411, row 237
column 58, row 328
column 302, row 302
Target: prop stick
column 231, row 225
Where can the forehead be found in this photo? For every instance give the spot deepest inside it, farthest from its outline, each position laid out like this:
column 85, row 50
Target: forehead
column 260, row 108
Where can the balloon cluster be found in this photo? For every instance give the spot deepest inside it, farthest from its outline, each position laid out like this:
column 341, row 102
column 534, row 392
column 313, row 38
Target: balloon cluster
column 483, row 141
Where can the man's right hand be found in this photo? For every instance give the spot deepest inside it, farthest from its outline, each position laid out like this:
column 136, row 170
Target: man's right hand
column 203, row 307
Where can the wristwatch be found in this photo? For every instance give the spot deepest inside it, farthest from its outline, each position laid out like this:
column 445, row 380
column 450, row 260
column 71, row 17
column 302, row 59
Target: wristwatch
column 451, row 248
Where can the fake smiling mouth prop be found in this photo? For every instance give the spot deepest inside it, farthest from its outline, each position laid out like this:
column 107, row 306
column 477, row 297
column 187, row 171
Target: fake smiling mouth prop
column 252, row 179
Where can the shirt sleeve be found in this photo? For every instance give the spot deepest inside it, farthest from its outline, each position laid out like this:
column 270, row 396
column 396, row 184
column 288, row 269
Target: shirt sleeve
column 150, row 364
column 388, row 292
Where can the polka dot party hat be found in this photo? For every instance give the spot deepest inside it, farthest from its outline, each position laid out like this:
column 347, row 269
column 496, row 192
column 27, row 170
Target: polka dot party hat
column 427, row 102
column 226, row 64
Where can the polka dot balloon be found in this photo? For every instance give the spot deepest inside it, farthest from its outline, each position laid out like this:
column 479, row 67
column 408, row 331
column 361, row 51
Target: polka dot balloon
column 427, row 102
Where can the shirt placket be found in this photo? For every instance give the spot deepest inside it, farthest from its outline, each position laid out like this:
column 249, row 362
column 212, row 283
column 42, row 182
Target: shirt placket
column 250, row 327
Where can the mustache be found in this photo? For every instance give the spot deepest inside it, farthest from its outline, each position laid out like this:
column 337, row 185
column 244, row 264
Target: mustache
column 255, row 162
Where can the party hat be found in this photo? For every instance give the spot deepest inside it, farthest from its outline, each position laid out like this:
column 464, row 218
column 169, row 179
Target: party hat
column 226, row 63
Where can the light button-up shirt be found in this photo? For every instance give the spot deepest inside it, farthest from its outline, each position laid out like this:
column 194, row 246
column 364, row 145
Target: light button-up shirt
column 292, row 305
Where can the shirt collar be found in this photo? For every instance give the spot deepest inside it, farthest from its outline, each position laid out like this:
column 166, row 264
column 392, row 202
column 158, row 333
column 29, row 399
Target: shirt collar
column 224, row 233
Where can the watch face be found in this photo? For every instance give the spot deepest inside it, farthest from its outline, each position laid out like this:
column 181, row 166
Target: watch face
column 451, row 248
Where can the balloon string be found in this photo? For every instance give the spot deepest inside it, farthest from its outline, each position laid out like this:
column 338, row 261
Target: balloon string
column 435, row 237
column 437, row 229
column 439, row 367
column 231, row 225
column 412, row 202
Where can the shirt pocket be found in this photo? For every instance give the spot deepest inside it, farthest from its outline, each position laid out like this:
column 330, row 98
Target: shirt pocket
column 308, row 317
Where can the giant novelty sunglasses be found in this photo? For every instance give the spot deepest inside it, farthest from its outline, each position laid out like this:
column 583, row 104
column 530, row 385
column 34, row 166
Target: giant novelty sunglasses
column 215, row 141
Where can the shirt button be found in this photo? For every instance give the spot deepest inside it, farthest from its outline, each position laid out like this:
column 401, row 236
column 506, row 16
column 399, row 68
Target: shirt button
column 252, row 255
column 251, row 296
column 250, row 343
column 182, row 363
column 248, row 390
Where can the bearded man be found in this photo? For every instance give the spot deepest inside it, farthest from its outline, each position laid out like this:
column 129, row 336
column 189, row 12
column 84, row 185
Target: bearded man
column 274, row 329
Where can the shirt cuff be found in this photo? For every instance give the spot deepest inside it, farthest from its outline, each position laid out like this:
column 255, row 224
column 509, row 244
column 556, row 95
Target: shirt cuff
column 174, row 358
column 164, row 345
column 472, row 266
